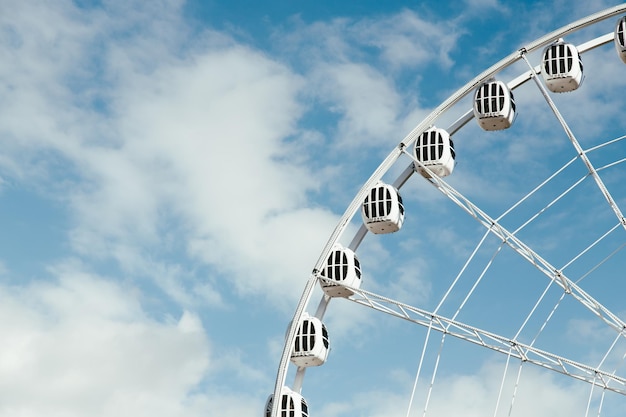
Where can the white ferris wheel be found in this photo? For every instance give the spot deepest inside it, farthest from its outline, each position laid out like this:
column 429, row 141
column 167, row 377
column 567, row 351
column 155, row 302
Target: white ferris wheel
column 534, row 275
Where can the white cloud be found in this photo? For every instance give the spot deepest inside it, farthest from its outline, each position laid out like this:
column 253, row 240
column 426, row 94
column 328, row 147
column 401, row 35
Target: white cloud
column 190, row 148
column 539, row 394
column 83, row 345
column 175, row 155
column 408, row 40
column 366, row 100
column 166, row 149
column 352, row 65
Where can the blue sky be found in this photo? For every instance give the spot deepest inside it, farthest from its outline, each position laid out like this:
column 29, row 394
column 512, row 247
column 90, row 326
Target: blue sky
column 171, row 170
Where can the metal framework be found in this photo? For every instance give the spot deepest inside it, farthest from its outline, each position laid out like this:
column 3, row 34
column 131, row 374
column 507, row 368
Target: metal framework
column 525, row 353
column 508, row 346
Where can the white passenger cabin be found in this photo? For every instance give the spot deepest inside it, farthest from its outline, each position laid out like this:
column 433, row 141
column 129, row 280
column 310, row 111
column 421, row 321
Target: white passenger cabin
column 342, row 268
column 382, row 210
column 434, row 149
column 291, row 404
column 620, row 38
column 562, row 67
column 311, row 345
column 494, row 105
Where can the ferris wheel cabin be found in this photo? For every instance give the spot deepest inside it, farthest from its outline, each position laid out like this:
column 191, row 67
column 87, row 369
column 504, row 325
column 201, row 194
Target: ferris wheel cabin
column 311, row 345
column 434, row 149
column 382, row 210
column 620, row 38
column 342, row 268
column 562, row 67
column 494, row 105
column 292, row 404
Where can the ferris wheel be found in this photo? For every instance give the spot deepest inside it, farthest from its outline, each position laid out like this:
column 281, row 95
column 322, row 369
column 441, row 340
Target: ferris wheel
column 511, row 229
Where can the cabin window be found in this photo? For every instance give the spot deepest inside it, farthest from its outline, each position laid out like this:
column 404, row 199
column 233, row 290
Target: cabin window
column 338, row 266
column 305, row 339
column 381, row 201
column 357, row 268
column 311, row 336
column 335, row 268
column 329, row 269
column 551, row 65
column 484, row 99
column 559, row 59
column 439, row 147
column 296, row 346
column 288, row 407
column 433, row 142
column 494, row 98
column 373, row 203
column 378, row 203
column 430, row 146
column 400, row 204
column 432, row 149
column 570, row 60
column 490, row 98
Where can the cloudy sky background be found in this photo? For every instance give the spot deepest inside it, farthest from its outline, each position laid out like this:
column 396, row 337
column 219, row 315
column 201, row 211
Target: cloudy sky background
column 170, row 171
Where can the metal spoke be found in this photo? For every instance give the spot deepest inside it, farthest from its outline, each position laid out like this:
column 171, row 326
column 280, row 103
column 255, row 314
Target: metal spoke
column 498, row 343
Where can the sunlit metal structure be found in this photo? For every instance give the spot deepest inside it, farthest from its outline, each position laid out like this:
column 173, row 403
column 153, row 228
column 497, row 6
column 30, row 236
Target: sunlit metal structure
column 338, row 271
column 382, row 210
column 434, row 153
column 494, row 105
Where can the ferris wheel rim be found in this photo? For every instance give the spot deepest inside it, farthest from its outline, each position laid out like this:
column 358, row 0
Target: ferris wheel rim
column 399, row 150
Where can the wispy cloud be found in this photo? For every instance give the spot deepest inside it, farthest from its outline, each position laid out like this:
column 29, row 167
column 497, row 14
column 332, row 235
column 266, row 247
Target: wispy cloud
column 83, row 344
column 194, row 182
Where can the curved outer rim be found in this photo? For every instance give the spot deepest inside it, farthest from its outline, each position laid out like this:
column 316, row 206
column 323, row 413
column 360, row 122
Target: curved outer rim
column 397, row 151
